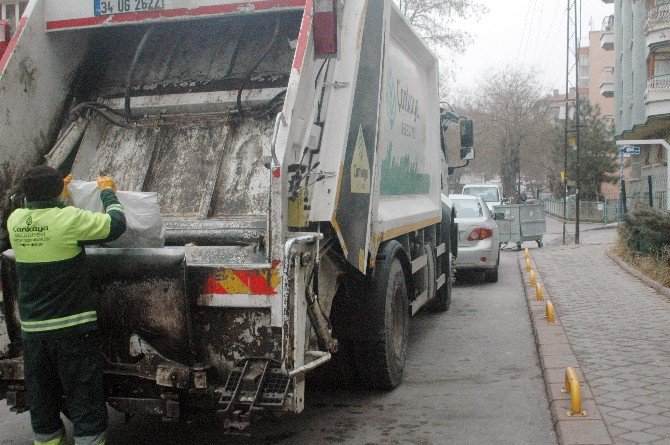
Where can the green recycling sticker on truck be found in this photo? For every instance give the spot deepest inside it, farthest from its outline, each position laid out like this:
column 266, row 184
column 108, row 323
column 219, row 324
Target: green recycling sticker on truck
column 403, row 167
column 400, row 176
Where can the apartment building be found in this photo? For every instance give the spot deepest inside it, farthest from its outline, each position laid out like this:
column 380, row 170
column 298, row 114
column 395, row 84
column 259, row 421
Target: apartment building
column 640, row 40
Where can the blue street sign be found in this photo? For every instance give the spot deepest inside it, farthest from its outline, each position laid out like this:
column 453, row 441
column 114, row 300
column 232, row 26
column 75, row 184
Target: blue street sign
column 630, row 150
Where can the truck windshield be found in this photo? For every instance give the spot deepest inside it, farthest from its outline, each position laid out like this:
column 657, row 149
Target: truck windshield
column 488, row 194
column 468, row 208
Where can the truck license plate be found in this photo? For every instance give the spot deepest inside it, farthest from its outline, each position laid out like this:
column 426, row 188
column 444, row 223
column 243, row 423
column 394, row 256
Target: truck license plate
column 108, row 7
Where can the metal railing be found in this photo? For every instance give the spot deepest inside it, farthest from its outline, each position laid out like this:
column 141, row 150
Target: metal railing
column 601, row 211
column 608, row 24
column 589, row 211
column 657, row 17
column 660, row 82
column 607, row 75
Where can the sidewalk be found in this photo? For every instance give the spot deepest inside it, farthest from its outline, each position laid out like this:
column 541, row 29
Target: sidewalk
column 619, row 330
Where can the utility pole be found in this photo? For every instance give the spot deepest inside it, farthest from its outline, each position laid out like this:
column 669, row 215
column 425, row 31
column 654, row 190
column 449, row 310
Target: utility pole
column 577, row 172
column 564, row 176
column 571, row 69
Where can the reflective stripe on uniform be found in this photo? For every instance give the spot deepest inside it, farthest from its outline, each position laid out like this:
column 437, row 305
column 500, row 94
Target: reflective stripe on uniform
column 97, row 439
column 56, row 438
column 117, row 207
column 59, row 323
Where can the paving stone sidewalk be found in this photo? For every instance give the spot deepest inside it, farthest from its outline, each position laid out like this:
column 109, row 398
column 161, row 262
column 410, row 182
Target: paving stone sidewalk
column 619, row 330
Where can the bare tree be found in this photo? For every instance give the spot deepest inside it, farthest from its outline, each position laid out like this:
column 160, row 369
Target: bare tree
column 434, row 20
column 512, row 126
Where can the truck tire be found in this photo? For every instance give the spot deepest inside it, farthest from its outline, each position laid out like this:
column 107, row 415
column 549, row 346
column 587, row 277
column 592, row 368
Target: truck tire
column 380, row 357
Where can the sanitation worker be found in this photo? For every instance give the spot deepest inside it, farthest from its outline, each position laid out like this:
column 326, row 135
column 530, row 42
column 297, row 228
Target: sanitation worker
column 62, row 355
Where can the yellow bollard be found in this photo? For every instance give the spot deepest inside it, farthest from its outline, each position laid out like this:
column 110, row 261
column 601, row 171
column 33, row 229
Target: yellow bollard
column 532, row 278
column 526, row 253
column 571, row 385
column 551, row 312
column 527, row 264
column 538, row 291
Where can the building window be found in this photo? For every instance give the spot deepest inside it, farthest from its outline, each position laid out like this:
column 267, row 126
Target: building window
column 658, row 63
column 12, row 12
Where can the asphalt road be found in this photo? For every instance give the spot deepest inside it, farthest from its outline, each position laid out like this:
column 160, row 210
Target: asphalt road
column 472, row 377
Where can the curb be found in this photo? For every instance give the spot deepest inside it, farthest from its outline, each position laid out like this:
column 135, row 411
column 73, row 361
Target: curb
column 658, row 287
column 555, row 352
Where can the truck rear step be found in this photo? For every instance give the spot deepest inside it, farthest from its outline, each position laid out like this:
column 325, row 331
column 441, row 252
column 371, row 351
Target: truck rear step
column 257, row 382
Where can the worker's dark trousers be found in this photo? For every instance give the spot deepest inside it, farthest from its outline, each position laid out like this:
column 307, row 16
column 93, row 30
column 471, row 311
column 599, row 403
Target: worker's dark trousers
column 67, row 365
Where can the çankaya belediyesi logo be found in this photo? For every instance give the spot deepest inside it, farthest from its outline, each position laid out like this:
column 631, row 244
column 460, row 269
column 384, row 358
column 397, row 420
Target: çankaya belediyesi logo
column 29, row 227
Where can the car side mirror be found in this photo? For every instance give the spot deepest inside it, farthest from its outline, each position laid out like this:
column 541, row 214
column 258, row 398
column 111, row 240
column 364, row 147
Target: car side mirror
column 499, row 216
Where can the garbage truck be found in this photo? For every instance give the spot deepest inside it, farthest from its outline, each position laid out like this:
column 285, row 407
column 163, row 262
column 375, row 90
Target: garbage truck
column 297, row 148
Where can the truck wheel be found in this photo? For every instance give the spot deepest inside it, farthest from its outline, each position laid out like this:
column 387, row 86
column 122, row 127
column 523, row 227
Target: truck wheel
column 442, row 298
column 381, row 355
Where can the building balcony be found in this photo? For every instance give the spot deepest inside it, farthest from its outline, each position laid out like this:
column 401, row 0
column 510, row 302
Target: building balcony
column 657, row 96
column 607, row 34
column 607, row 82
column 657, row 26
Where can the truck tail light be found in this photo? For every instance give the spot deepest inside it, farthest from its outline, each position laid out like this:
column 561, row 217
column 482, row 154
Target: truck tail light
column 480, row 233
column 325, row 27
column 4, row 36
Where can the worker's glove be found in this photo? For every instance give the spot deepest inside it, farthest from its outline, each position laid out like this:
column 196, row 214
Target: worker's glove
column 106, row 183
column 65, row 195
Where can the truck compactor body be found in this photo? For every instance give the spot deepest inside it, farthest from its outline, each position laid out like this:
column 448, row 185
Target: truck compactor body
column 296, row 148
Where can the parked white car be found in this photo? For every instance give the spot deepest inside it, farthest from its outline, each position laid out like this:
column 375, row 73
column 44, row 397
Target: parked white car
column 490, row 193
column 478, row 236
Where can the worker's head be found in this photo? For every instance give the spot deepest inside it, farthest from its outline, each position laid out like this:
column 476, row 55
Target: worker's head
column 42, row 183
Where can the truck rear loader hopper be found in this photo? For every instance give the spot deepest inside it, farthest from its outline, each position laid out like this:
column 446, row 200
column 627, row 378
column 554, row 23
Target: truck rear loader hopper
column 296, row 149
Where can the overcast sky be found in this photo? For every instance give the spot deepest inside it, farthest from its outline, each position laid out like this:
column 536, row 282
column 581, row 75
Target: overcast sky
column 531, row 33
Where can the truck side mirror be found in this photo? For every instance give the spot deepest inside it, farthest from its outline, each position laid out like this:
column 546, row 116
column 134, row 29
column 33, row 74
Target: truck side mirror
column 467, row 139
column 467, row 153
column 499, row 216
column 444, row 126
column 467, row 133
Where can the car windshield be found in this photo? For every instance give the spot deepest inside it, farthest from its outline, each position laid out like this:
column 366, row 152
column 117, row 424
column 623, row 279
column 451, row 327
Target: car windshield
column 468, row 208
column 488, row 194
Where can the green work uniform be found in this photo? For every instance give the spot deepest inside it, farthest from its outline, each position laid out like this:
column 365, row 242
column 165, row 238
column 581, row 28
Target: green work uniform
column 62, row 355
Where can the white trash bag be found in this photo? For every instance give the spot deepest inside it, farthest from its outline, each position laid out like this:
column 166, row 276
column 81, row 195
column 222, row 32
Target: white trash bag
column 144, row 223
